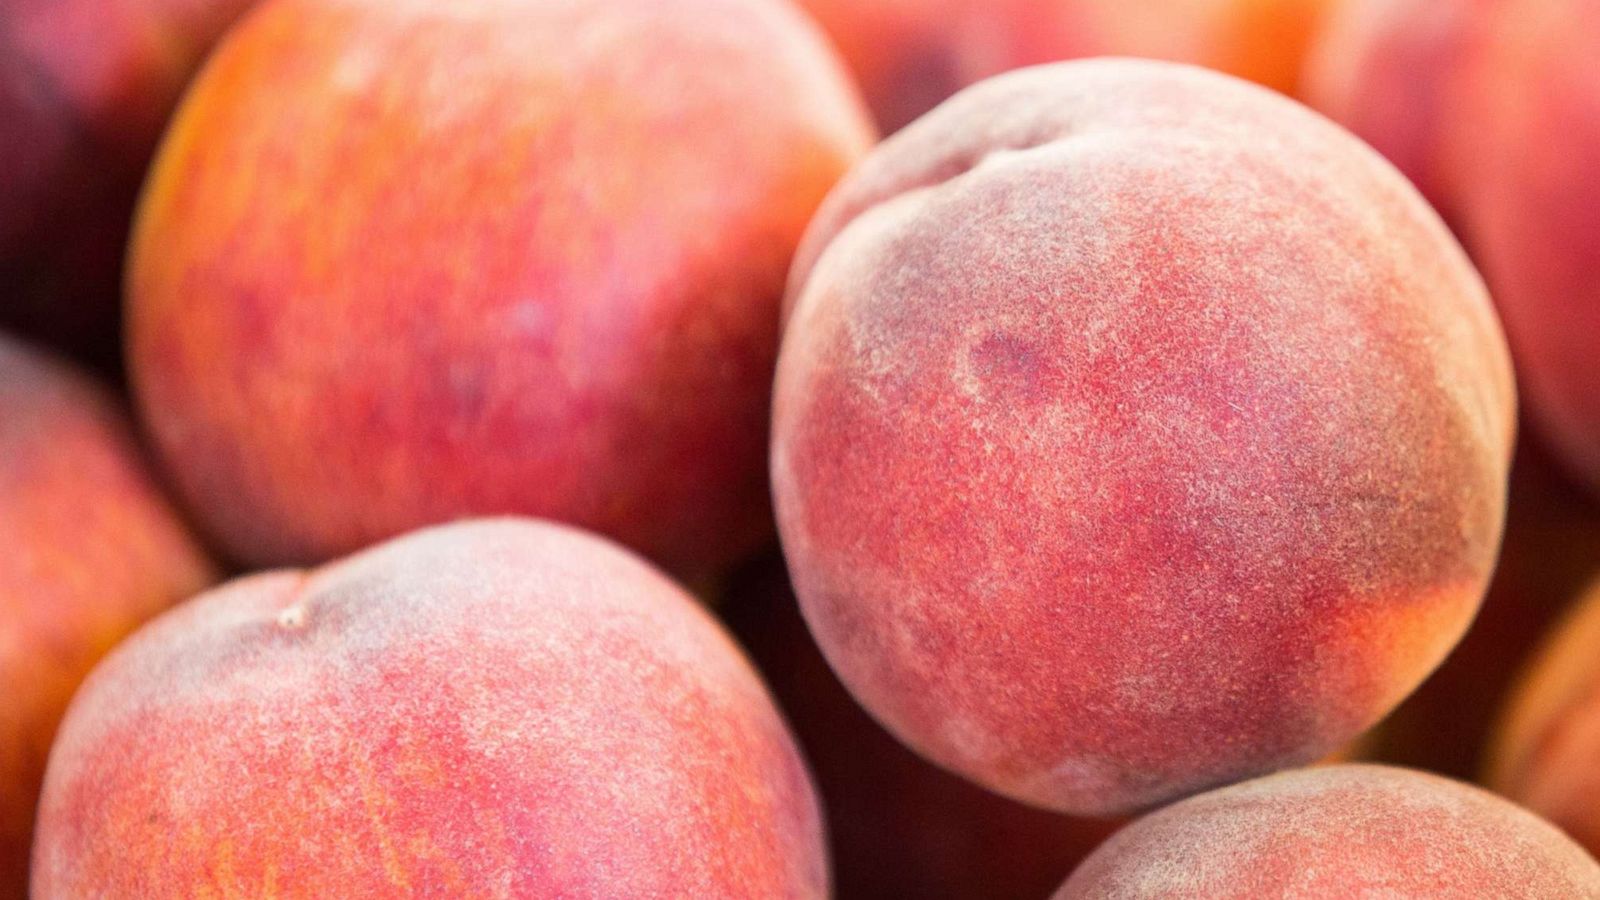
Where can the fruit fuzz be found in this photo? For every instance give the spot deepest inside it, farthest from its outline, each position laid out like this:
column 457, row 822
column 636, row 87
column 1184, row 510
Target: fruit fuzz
column 400, row 262
column 1339, row 831
column 492, row 708
column 92, row 550
column 1136, row 431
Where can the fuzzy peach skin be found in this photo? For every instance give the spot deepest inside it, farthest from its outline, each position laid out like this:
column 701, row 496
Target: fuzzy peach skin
column 496, row 708
column 85, row 89
column 1528, row 147
column 91, row 550
column 1391, row 71
column 911, row 54
column 1339, row 831
column 1551, row 551
column 898, row 826
column 401, row 262
column 1546, row 753
column 1136, row 431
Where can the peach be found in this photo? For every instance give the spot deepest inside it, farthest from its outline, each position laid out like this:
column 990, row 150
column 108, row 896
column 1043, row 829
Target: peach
column 898, row 826
column 1390, row 70
column 403, row 262
column 85, row 89
column 1493, row 107
column 1546, row 753
column 495, row 708
column 1136, row 431
column 1528, row 141
column 1340, row 831
column 92, row 549
column 911, row 54
column 1551, row 550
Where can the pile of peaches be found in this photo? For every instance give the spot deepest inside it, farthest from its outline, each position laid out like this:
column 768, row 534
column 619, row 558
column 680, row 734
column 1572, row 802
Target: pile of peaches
column 403, row 404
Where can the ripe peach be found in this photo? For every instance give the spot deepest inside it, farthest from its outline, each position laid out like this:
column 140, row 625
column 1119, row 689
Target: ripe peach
column 1550, row 552
column 400, row 262
column 911, row 54
column 1340, row 831
column 1547, row 751
column 898, row 826
column 92, row 549
column 1493, row 106
column 488, row 709
column 1528, row 141
column 85, row 89
column 1136, row 431
column 1390, row 71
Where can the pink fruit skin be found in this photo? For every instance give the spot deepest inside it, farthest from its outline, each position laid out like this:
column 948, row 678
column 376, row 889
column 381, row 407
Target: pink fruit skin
column 1339, row 831
column 898, row 826
column 92, row 548
column 1527, row 145
column 1390, row 71
column 1493, row 108
column 1551, row 552
column 1136, row 431
column 403, row 262
column 496, row 708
